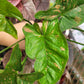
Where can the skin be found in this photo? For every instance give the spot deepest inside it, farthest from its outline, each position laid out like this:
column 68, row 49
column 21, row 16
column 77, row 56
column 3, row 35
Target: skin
column 7, row 40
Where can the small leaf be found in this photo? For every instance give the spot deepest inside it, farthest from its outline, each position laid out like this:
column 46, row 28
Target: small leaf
column 9, row 76
column 15, row 59
column 50, row 50
column 8, row 10
column 7, row 26
column 50, row 14
column 29, row 78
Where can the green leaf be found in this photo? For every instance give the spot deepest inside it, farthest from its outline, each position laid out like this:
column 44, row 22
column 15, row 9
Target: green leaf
column 7, row 26
column 37, row 27
column 28, row 78
column 9, row 76
column 15, row 59
column 8, row 10
column 50, row 50
column 73, row 18
column 69, row 12
column 50, row 14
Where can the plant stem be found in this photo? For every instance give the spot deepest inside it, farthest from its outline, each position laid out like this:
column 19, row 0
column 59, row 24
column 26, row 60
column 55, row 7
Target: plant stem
column 75, row 42
column 11, row 45
column 78, row 29
column 28, row 21
column 23, row 62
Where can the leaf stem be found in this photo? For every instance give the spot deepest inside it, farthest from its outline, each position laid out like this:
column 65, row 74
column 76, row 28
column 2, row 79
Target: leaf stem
column 75, row 42
column 11, row 45
column 23, row 62
column 28, row 21
column 78, row 29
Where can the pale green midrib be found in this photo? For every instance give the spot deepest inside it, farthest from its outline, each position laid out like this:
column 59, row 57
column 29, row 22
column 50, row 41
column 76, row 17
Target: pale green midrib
column 46, row 54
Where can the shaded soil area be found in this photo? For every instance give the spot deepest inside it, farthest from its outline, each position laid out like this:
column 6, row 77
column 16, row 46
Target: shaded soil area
column 2, row 55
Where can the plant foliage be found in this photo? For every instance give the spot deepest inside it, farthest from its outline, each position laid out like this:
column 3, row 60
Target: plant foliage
column 69, row 12
column 8, row 10
column 49, row 48
column 10, row 75
column 7, row 26
column 46, row 45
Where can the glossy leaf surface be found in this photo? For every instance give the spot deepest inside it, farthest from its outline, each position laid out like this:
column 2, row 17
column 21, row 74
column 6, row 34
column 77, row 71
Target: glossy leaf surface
column 8, row 10
column 49, row 48
column 69, row 12
column 7, row 26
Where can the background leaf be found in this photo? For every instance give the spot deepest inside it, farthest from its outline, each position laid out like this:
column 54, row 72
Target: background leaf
column 15, row 59
column 49, row 49
column 7, row 26
column 9, row 76
column 29, row 78
column 8, row 10
column 69, row 12
column 73, row 18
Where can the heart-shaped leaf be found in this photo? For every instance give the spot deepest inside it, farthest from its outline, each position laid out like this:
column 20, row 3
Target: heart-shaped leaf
column 49, row 48
column 7, row 26
column 69, row 12
column 15, row 59
column 8, row 10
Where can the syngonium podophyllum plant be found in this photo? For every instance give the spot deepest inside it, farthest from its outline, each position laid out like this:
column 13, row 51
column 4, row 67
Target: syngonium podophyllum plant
column 47, row 45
